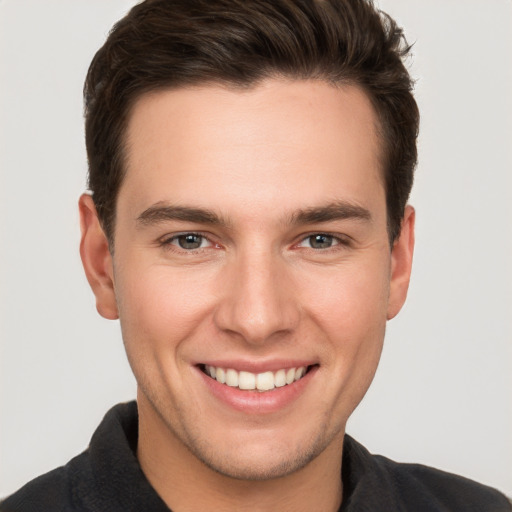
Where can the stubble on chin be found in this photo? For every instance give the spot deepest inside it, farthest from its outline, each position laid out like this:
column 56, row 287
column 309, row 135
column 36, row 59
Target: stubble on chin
column 239, row 465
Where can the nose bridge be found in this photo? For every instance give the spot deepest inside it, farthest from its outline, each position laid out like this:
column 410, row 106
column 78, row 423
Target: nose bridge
column 257, row 301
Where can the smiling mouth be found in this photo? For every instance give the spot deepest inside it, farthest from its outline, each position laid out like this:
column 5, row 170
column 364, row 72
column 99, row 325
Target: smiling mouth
column 247, row 381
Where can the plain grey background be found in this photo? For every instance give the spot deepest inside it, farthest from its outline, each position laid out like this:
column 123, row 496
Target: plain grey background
column 443, row 392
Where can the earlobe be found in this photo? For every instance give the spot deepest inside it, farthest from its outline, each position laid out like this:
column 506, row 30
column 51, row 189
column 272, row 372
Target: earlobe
column 96, row 258
column 401, row 263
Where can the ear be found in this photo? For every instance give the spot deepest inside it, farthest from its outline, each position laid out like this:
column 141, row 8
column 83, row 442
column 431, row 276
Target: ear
column 401, row 263
column 96, row 258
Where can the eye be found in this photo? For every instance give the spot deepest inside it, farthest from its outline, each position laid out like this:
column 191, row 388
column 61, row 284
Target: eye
column 319, row 241
column 189, row 241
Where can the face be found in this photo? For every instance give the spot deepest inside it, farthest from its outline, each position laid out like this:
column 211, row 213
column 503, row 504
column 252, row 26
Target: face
column 252, row 271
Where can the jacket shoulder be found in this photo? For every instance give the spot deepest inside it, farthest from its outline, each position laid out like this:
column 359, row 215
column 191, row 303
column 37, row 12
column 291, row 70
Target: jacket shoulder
column 51, row 492
column 417, row 484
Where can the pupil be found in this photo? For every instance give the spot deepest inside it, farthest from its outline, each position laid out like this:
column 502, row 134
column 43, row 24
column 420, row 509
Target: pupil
column 190, row 241
column 320, row 241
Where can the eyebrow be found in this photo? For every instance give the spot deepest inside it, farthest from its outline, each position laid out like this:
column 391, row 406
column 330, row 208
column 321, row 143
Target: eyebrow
column 339, row 210
column 161, row 212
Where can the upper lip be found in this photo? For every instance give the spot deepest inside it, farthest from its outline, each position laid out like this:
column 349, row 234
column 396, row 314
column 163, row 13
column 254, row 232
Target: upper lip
column 258, row 366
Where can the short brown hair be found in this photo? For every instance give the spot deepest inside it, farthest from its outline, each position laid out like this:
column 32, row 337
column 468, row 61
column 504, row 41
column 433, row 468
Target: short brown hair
column 175, row 43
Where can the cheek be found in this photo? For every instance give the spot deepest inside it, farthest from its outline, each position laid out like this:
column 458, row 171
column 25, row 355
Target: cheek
column 352, row 298
column 163, row 307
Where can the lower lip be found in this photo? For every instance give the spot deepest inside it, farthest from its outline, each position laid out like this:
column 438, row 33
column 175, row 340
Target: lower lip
column 255, row 402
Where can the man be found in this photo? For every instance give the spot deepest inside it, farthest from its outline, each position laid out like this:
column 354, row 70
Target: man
column 250, row 164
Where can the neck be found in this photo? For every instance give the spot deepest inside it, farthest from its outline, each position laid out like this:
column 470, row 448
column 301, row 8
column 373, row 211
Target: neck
column 186, row 484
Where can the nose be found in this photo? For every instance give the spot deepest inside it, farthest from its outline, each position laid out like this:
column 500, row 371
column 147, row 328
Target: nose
column 258, row 300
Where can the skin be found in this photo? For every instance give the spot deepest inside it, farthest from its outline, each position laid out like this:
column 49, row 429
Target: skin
column 257, row 292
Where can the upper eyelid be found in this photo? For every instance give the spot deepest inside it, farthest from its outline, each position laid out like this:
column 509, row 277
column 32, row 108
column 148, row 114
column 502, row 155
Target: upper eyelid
column 341, row 237
column 166, row 242
column 174, row 236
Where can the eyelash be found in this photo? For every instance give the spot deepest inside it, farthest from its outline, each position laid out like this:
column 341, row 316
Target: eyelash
column 168, row 244
column 338, row 241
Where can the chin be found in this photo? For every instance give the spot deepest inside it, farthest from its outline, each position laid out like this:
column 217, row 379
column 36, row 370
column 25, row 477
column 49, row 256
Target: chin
column 261, row 460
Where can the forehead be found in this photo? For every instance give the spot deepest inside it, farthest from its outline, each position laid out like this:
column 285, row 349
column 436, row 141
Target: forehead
column 282, row 140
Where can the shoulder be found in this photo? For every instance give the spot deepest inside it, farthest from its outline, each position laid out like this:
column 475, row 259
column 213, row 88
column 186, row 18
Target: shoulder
column 106, row 476
column 373, row 482
column 438, row 490
column 52, row 491
column 421, row 485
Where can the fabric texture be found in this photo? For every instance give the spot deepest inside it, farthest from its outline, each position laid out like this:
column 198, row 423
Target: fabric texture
column 107, row 478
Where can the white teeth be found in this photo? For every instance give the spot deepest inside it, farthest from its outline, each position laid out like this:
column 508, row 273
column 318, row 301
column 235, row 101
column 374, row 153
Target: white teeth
column 290, row 375
column 280, row 378
column 221, row 375
column 232, row 378
column 265, row 381
column 246, row 380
